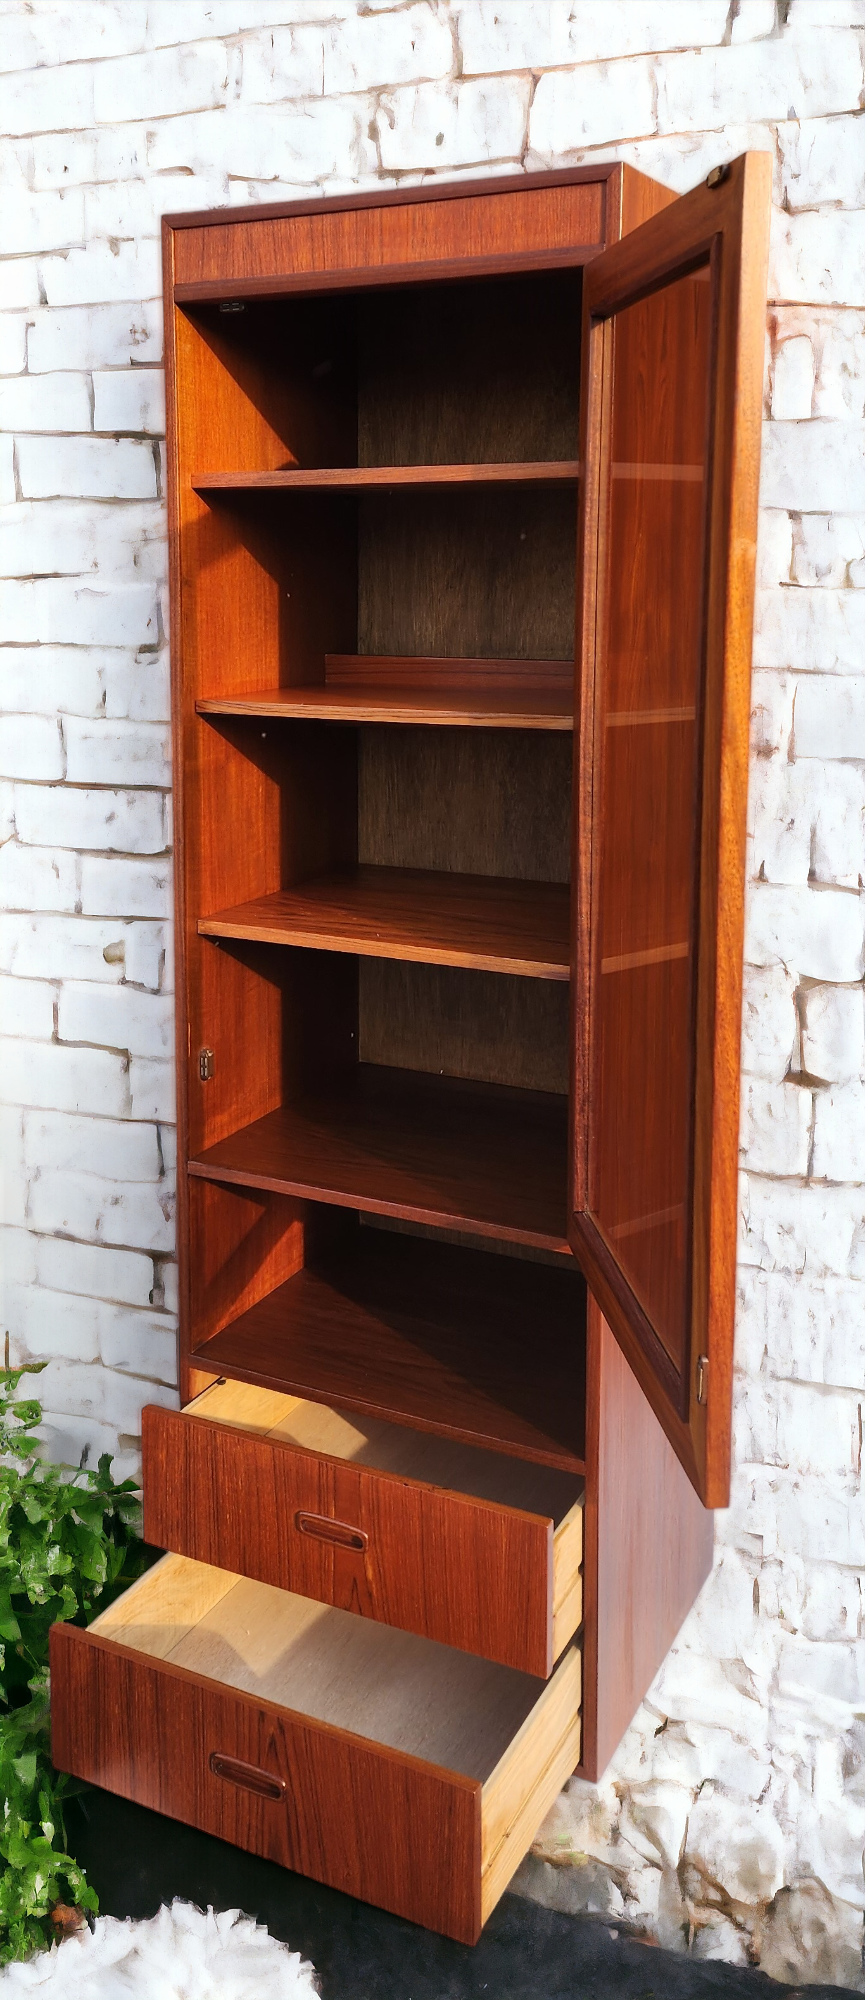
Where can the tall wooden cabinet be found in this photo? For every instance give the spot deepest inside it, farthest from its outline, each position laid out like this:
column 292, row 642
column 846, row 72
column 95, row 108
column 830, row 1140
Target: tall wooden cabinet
column 460, row 943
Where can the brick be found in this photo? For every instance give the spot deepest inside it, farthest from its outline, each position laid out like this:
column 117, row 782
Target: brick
column 100, row 336
column 52, row 609
column 839, row 1134
column 816, row 631
column 71, row 31
column 33, row 878
column 791, row 1229
column 821, row 161
column 358, row 53
column 31, row 746
column 201, row 18
column 98, row 468
column 793, row 379
column 146, row 956
column 134, row 207
column 817, row 466
column 833, row 1032
column 816, row 933
column 129, row 822
column 754, row 19
column 129, row 399
column 128, row 543
column 776, row 1426
column 48, row 1077
column 48, row 679
column 138, row 690
column 531, row 34
column 94, row 1210
column 13, row 343
column 103, row 272
column 116, row 753
column 781, row 816
column 827, row 548
column 45, row 100
column 115, row 1017
column 838, row 827
column 167, row 1270
column 329, row 141
column 152, row 1088
column 769, row 1022
column 43, row 947
column 840, row 386
column 20, row 284
column 830, row 716
column 19, row 1257
column 94, row 1271
column 776, row 1127
column 819, row 259
column 45, row 1324
column 811, row 76
column 774, row 548
column 63, row 1143
column 27, row 1008
column 98, row 1392
column 593, row 105
column 138, row 1343
column 44, row 403
column 807, row 14
column 125, row 888
column 8, row 492
column 39, row 222
column 160, row 84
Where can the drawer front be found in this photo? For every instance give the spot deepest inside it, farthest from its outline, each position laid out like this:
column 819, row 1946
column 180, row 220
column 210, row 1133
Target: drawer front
column 466, row 1572
column 360, row 1817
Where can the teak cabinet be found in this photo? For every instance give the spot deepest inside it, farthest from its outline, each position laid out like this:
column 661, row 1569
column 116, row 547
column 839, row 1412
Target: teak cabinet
column 460, row 945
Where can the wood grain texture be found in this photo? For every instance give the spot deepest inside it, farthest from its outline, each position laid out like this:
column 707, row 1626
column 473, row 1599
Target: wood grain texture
column 525, row 677
column 325, row 478
column 485, row 1026
column 465, row 802
column 472, row 1156
column 463, row 1571
column 420, row 915
column 326, row 243
column 648, row 1548
column 475, row 709
column 723, row 231
column 410, row 1843
column 426, row 1334
column 525, row 1784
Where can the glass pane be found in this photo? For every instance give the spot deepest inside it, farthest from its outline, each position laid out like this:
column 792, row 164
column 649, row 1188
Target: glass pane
column 649, row 716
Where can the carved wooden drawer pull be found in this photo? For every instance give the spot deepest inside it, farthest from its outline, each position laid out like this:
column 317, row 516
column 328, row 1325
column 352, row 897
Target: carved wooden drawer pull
column 264, row 1783
column 324, row 1530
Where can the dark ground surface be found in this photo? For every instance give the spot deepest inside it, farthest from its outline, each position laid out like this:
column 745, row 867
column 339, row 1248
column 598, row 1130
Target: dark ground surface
column 137, row 1860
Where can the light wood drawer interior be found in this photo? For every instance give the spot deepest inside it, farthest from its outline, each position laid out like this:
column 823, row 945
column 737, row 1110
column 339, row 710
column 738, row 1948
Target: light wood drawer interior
column 473, row 1547
column 500, row 1736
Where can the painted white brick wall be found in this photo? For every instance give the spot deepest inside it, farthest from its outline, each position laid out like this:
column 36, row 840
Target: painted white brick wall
column 733, row 1818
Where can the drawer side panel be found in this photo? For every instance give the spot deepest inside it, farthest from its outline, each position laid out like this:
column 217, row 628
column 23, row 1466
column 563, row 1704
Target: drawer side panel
column 358, row 1817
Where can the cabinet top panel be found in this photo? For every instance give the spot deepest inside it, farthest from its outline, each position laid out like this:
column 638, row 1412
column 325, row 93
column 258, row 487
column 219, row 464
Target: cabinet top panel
column 533, row 220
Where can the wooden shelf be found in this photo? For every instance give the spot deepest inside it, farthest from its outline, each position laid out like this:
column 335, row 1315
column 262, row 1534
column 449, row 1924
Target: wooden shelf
column 476, row 921
column 476, row 693
column 478, row 709
column 427, row 1335
column 476, row 1157
column 342, row 478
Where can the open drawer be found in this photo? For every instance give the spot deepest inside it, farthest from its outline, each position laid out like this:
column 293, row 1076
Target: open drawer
column 404, row 1772
column 463, row 1545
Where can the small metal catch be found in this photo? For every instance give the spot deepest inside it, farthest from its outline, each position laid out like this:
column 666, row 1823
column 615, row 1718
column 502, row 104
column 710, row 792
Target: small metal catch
column 232, row 306
column 702, row 1377
column 713, row 179
column 205, row 1064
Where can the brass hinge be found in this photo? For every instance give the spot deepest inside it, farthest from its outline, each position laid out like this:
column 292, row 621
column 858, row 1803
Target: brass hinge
column 205, row 1064
column 714, row 178
column 702, row 1376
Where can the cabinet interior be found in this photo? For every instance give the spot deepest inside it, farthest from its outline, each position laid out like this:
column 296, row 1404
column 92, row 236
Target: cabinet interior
column 379, row 945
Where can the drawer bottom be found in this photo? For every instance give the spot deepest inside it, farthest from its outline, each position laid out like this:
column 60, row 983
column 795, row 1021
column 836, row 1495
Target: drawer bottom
column 399, row 1770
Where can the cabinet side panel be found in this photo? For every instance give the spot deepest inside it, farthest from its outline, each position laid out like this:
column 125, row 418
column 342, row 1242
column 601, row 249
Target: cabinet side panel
column 648, row 1547
column 355, row 1815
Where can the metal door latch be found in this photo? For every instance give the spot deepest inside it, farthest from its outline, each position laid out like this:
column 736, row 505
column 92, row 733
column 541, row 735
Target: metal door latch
column 702, row 1376
column 205, row 1064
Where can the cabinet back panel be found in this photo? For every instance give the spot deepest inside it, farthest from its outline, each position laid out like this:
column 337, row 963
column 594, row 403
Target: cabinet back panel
column 485, row 1025
column 474, row 573
column 474, row 802
column 487, row 370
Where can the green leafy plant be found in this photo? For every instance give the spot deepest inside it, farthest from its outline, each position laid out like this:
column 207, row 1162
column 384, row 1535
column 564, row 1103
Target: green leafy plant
column 68, row 1543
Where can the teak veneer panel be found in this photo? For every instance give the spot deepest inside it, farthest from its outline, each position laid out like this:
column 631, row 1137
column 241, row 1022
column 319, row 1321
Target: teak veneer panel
column 428, row 1334
column 403, row 913
column 475, row 709
column 546, row 472
column 477, row 1157
column 474, row 1570
column 257, row 1715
